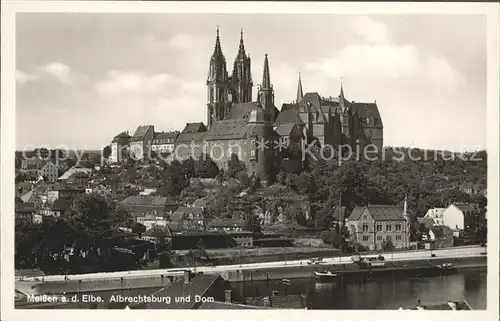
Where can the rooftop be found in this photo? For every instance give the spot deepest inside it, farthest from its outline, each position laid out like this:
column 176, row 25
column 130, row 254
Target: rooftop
column 74, row 170
column 187, row 138
column 121, row 136
column 227, row 129
column 61, row 204
column 146, row 200
column 166, row 135
column 182, row 211
column 141, row 131
column 25, row 208
column 194, row 128
column 198, row 285
column 378, row 212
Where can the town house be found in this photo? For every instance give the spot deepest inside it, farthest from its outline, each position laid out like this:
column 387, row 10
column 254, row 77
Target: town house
column 436, row 215
column 454, row 215
column 49, row 172
column 187, row 219
column 372, row 225
column 24, row 212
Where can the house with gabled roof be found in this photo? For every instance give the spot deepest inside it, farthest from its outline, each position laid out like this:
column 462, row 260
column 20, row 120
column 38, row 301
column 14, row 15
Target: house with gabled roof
column 24, row 212
column 435, row 215
column 372, row 225
column 156, row 233
column 187, row 219
column 49, row 171
column 139, row 205
column 456, row 215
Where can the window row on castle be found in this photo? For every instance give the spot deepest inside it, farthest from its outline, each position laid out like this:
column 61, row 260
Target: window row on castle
column 163, row 141
column 364, row 121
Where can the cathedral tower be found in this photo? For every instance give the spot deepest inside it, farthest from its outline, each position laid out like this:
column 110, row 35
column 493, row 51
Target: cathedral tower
column 217, row 85
column 241, row 79
column 266, row 91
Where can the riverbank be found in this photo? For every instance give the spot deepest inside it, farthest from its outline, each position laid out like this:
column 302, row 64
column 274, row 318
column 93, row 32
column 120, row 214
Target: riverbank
column 305, row 270
column 131, row 280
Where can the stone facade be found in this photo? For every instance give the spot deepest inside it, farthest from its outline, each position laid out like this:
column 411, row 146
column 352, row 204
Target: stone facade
column 372, row 225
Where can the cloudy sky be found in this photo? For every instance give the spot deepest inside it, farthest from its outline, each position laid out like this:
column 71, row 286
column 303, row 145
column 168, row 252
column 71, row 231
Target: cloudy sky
column 83, row 78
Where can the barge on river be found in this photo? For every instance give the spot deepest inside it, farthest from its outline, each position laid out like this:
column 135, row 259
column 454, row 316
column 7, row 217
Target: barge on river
column 377, row 266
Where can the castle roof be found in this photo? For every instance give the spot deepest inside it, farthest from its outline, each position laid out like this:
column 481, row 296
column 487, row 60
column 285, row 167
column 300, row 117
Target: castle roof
column 289, row 106
column 187, row 138
column 284, row 129
column 242, row 110
column 289, row 116
column 166, row 135
column 227, row 129
column 194, row 128
column 121, row 136
column 140, row 132
column 366, row 110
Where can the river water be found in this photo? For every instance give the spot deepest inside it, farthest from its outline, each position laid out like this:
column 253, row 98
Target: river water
column 388, row 292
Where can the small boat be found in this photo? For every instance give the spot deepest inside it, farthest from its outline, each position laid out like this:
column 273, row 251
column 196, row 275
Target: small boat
column 447, row 267
column 326, row 276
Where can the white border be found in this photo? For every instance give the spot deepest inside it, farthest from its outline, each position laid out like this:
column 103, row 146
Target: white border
column 8, row 10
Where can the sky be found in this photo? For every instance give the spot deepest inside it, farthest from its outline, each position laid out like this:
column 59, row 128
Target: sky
column 82, row 78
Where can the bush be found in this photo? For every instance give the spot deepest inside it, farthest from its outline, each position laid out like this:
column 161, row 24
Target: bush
column 388, row 246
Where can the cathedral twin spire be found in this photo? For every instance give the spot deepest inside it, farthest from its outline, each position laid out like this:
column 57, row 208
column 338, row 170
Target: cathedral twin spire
column 238, row 86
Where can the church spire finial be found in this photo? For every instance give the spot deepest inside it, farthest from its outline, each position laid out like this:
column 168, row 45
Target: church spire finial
column 300, row 93
column 341, row 96
column 217, row 49
column 241, row 50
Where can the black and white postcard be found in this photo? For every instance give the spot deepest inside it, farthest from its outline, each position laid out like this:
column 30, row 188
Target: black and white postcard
column 259, row 156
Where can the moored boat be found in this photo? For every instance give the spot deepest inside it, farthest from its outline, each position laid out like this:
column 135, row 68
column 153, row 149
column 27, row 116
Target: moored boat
column 326, row 276
column 447, row 268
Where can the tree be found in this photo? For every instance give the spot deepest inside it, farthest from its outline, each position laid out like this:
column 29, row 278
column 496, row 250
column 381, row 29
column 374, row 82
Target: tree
column 205, row 167
column 106, row 152
column 387, row 246
column 96, row 159
column 235, row 166
column 201, row 252
column 253, row 224
column 175, row 180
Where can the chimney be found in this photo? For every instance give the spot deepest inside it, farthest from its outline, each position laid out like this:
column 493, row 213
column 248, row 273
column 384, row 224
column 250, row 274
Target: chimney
column 187, row 276
column 227, row 295
column 453, row 305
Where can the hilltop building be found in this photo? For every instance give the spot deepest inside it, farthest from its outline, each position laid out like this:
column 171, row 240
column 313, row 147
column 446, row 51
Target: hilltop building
column 140, row 143
column 119, row 147
column 236, row 124
column 163, row 142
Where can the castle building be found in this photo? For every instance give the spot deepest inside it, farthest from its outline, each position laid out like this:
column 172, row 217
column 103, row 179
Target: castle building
column 334, row 120
column 242, row 130
column 140, row 143
column 163, row 142
column 119, row 147
column 236, row 124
